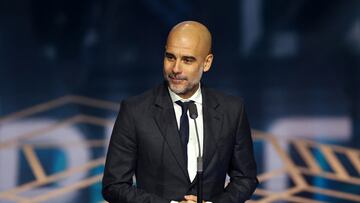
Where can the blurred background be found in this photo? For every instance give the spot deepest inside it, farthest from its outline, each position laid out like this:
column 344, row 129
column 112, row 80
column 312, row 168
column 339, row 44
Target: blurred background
column 65, row 66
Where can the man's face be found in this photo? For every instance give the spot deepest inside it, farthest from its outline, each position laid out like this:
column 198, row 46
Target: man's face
column 184, row 64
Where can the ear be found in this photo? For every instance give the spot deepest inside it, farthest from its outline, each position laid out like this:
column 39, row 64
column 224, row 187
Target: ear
column 208, row 61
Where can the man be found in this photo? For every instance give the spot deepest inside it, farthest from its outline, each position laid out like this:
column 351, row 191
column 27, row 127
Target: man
column 154, row 139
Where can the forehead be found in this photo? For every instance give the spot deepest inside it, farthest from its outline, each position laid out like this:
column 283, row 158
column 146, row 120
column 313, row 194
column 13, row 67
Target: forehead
column 184, row 43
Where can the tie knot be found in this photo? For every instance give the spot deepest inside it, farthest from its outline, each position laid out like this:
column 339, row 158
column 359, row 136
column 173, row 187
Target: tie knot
column 184, row 105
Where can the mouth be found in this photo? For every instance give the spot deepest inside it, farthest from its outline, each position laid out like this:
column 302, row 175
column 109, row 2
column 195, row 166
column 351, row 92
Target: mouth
column 176, row 80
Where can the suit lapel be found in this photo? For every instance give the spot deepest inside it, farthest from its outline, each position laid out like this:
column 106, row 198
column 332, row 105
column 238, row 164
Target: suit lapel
column 164, row 116
column 213, row 122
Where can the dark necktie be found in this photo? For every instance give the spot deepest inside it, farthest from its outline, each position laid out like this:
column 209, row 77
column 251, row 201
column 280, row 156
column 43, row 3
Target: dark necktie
column 184, row 125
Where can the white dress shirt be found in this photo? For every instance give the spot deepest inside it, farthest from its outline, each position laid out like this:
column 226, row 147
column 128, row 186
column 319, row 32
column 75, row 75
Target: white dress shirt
column 192, row 147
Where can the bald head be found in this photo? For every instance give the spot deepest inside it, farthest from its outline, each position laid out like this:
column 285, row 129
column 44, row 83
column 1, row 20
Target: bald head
column 187, row 56
column 191, row 32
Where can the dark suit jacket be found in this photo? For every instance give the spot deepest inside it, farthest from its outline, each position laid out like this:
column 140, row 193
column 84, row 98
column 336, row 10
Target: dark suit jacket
column 145, row 141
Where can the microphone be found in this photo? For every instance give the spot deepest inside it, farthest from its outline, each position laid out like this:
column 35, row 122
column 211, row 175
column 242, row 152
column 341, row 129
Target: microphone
column 194, row 114
column 193, row 110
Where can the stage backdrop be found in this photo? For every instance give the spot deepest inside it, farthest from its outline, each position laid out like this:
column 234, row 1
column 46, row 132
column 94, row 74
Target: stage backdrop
column 65, row 66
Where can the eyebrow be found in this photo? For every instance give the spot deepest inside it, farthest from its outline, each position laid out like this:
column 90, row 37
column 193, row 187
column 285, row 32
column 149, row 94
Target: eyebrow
column 183, row 57
column 169, row 54
column 191, row 58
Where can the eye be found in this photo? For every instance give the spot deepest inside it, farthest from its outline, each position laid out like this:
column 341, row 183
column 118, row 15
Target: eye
column 188, row 60
column 169, row 57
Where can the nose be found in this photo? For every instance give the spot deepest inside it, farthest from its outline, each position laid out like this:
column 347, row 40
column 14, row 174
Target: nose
column 176, row 68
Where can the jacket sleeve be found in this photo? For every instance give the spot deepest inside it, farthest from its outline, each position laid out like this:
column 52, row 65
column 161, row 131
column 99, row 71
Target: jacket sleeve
column 117, row 183
column 242, row 169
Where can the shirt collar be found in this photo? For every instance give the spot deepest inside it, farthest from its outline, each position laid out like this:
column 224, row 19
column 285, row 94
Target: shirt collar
column 196, row 97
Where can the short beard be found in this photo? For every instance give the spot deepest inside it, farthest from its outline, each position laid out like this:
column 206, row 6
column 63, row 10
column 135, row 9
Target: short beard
column 186, row 89
column 182, row 90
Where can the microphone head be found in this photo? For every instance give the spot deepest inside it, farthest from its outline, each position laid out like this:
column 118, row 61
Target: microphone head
column 193, row 110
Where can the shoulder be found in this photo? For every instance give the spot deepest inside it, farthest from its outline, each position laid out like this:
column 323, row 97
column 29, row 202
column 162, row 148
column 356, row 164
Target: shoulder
column 223, row 98
column 232, row 107
column 143, row 100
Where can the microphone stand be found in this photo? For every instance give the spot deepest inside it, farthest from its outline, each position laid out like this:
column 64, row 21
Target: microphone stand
column 193, row 114
column 199, row 169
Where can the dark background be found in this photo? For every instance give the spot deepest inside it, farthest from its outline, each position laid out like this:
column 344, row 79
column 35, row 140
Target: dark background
column 286, row 58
